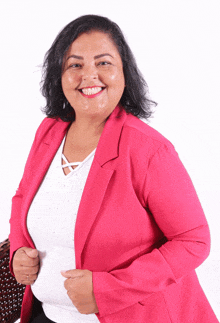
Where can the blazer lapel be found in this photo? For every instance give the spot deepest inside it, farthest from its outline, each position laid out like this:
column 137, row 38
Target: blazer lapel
column 93, row 195
column 98, row 180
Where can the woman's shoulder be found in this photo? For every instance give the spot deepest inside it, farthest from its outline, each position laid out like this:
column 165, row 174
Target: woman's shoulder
column 143, row 133
column 146, row 144
column 49, row 126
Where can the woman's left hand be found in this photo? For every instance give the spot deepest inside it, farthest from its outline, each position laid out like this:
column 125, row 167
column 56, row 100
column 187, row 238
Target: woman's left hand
column 79, row 288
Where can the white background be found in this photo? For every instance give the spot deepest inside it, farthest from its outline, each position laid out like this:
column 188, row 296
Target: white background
column 176, row 44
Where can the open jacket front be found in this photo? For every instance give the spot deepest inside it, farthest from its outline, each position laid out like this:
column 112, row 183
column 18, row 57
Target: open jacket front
column 140, row 227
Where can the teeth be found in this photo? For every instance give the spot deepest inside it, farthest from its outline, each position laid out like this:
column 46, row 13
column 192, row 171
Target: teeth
column 91, row 90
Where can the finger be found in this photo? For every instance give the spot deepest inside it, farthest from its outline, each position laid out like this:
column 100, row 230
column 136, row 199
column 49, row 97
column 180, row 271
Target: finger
column 22, row 259
column 24, row 271
column 29, row 270
column 75, row 273
column 26, row 279
column 29, row 278
column 28, row 252
column 67, row 284
column 32, row 253
column 29, row 262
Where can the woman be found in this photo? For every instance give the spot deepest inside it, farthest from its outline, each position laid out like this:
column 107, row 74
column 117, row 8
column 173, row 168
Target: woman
column 106, row 225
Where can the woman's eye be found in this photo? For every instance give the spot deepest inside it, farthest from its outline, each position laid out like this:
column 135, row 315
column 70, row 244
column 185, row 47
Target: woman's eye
column 75, row 65
column 104, row 63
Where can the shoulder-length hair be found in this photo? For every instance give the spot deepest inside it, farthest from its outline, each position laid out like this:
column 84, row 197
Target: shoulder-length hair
column 135, row 96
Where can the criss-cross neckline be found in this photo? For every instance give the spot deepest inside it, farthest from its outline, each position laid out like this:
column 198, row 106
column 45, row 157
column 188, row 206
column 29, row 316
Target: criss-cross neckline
column 78, row 164
column 69, row 164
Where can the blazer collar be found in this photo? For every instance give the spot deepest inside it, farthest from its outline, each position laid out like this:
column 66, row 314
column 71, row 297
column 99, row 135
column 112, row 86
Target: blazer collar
column 107, row 148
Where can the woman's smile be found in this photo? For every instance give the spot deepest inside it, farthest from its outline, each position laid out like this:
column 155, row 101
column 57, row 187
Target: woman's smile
column 91, row 92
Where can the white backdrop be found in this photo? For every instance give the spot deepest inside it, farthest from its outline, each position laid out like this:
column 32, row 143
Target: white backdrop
column 176, row 44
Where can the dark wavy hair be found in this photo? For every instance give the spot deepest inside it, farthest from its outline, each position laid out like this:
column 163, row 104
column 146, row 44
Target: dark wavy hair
column 135, row 96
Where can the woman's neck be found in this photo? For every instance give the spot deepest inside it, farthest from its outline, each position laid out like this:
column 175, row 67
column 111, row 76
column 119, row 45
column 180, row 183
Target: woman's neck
column 89, row 127
column 84, row 134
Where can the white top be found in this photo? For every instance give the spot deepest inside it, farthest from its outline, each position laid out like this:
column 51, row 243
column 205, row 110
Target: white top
column 51, row 224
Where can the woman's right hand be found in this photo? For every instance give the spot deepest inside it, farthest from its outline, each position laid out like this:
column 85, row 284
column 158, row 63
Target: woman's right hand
column 26, row 265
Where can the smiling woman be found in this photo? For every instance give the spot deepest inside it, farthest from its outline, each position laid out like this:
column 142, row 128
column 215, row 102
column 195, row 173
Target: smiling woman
column 106, row 225
column 134, row 99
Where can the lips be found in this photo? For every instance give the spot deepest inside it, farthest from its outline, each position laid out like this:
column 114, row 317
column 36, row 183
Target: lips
column 91, row 92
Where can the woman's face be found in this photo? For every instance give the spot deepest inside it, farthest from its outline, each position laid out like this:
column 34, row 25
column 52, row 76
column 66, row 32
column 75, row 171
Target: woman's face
column 93, row 79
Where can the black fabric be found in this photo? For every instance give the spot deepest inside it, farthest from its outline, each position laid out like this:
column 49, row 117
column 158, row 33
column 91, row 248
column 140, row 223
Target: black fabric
column 38, row 315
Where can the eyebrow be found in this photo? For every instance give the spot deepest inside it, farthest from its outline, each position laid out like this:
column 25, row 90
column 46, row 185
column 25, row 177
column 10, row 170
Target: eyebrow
column 95, row 57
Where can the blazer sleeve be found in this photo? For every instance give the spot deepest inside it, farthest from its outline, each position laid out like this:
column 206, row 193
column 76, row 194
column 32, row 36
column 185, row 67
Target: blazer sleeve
column 170, row 197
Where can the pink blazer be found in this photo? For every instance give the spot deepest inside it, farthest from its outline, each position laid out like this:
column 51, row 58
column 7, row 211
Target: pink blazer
column 140, row 227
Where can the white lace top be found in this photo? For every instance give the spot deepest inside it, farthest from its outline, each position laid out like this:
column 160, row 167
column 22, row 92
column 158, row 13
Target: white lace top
column 51, row 224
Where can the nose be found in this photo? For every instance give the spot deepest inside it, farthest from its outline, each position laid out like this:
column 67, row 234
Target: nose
column 89, row 72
